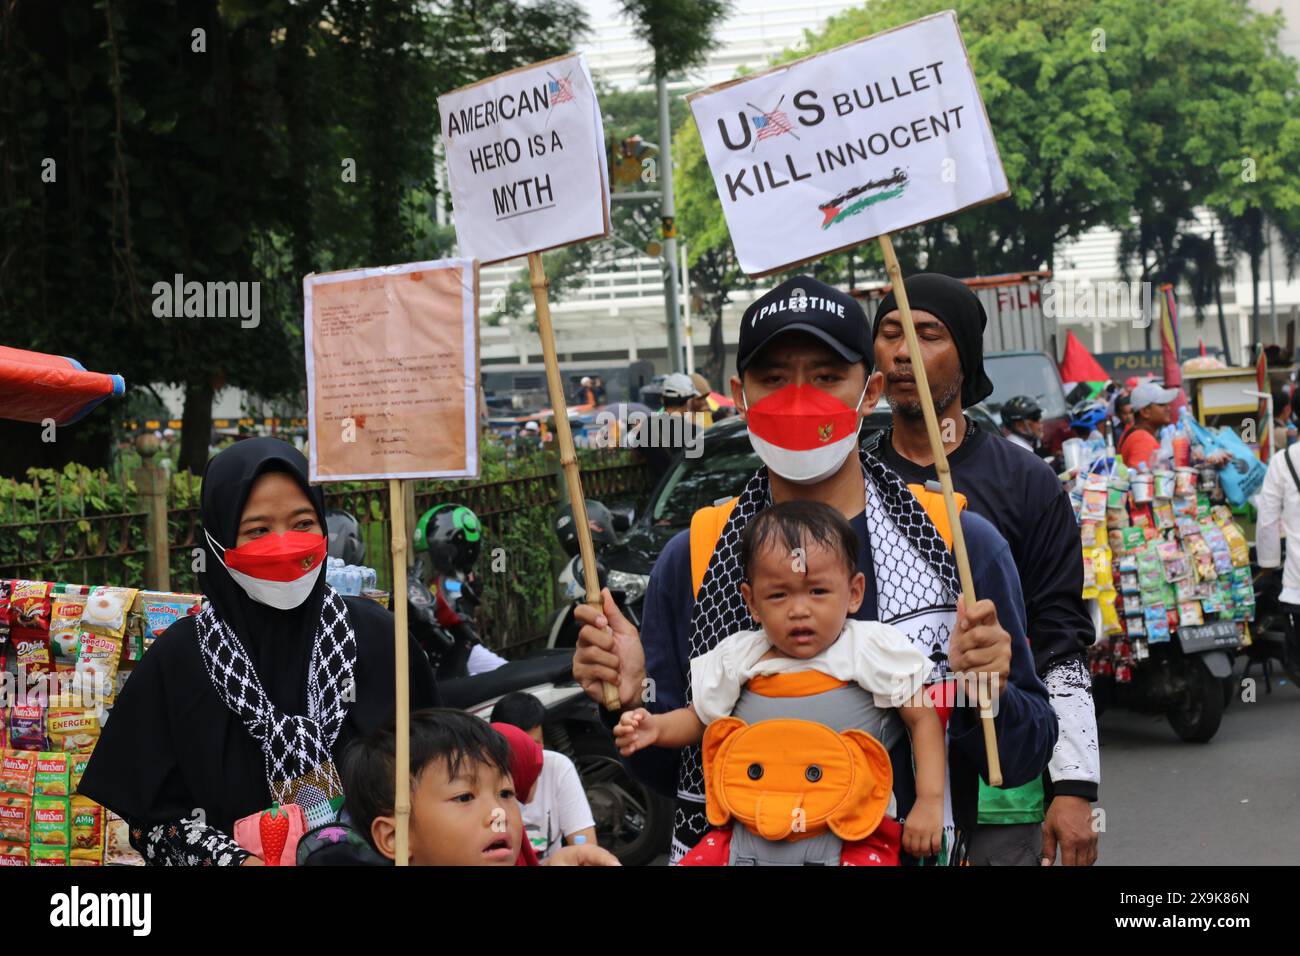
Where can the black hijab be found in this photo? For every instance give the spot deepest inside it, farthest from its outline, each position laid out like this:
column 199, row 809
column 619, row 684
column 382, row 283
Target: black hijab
column 953, row 303
column 278, row 642
column 170, row 745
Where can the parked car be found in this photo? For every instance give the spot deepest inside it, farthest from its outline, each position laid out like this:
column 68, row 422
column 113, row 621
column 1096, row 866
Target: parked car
column 1033, row 374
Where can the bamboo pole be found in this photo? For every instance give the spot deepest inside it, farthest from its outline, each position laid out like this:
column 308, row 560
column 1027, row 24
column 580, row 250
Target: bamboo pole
column 945, row 482
column 402, row 761
column 568, row 454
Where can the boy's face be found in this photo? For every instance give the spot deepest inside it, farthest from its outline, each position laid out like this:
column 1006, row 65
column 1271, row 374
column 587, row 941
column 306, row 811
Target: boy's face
column 470, row 820
column 802, row 598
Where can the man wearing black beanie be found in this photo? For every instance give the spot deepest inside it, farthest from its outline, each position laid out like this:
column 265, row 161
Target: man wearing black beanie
column 1018, row 493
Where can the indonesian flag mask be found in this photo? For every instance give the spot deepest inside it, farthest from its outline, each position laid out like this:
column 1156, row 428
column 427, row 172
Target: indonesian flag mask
column 278, row 570
column 802, row 433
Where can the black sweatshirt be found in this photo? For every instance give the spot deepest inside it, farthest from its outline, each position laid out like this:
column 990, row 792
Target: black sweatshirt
column 1021, row 496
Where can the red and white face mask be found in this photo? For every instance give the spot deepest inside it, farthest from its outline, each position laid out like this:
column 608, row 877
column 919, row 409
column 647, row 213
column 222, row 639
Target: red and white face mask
column 278, row 570
column 802, row 433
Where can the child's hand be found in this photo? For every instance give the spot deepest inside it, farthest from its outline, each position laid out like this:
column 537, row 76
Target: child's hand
column 635, row 730
column 582, row 854
column 923, row 828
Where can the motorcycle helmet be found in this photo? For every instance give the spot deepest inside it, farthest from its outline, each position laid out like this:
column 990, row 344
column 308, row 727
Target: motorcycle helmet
column 452, row 535
column 1088, row 414
column 1020, row 408
column 345, row 537
column 599, row 520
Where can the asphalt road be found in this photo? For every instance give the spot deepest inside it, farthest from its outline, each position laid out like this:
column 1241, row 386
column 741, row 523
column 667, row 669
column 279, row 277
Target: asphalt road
column 1234, row 800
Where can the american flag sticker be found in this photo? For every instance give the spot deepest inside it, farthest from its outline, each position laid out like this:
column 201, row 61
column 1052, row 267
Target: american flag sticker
column 560, row 90
column 769, row 123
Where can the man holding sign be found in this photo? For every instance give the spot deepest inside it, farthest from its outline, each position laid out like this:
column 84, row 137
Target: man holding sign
column 810, row 158
column 804, row 363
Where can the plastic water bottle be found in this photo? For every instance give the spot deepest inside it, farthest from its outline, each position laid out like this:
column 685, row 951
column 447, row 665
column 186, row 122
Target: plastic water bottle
column 369, row 579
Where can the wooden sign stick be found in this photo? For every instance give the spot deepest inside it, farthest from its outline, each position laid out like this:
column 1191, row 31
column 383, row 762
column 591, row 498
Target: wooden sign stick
column 401, row 644
column 568, row 454
column 945, row 482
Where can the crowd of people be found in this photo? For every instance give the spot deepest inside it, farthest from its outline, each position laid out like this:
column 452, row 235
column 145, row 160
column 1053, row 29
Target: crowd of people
column 797, row 679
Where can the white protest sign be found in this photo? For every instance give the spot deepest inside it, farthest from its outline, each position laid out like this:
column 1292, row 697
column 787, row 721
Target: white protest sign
column 526, row 160
column 821, row 154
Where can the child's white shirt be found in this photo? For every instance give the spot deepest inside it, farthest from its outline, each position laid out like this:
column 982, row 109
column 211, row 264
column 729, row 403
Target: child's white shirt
column 877, row 657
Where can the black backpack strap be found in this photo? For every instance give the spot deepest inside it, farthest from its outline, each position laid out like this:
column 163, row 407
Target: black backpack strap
column 1290, row 466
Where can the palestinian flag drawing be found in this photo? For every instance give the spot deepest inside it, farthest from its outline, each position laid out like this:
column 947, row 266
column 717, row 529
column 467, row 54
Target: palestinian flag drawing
column 853, row 201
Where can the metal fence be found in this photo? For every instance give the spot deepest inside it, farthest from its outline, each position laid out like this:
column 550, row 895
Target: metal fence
column 91, row 530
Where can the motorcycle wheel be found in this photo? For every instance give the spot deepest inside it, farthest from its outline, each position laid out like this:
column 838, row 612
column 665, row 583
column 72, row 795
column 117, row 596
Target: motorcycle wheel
column 632, row 821
column 1197, row 716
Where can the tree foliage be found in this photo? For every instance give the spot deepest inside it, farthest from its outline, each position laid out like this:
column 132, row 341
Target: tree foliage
column 231, row 141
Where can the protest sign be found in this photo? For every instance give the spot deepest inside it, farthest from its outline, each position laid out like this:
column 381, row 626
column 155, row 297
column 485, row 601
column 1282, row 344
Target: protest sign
column 526, row 160
column 821, row 154
column 393, row 371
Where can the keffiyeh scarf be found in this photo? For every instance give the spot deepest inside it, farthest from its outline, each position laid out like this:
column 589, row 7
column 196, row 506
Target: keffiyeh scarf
column 916, row 591
column 299, row 766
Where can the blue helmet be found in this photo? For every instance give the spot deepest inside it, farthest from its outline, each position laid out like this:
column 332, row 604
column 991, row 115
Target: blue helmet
column 1088, row 414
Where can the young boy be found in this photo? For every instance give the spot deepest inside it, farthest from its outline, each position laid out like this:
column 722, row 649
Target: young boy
column 801, row 584
column 464, row 809
column 558, row 812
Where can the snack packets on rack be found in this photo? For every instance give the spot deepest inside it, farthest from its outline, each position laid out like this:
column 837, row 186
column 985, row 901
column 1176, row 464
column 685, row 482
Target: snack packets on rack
column 14, row 854
column 77, row 769
column 87, row 830
column 1177, row 567
column 161, row 609
column 49, row 855
column 97, row 667
column 1237, row 545
column 65, row 627
column 51, row 821
column 15, row 818
column 27, row 727
column 17, row 772
column 53, row 776
column 1157, row 624
column 106, row 611
column 73, row 729
column 117, row 843
column 29, row 625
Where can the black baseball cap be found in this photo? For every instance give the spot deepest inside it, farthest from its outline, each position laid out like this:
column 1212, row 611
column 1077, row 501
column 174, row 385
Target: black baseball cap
column 804, row 304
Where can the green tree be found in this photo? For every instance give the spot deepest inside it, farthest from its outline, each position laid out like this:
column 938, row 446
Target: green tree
column 231, row 141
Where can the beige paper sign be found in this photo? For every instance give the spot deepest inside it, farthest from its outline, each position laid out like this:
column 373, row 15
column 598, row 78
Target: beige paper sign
column 393, row 371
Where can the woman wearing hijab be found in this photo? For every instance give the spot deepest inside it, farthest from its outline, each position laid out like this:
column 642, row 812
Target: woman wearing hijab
column 253, row 700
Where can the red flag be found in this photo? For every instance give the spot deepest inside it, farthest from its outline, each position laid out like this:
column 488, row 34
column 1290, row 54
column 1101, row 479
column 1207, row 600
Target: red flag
column 1079, row 365
column 1169, row 347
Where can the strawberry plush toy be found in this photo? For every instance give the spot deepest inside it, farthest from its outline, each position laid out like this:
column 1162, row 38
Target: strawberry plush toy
column 274, row 828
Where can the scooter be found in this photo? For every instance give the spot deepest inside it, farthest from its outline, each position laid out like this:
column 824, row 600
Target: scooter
column 605, row 526
column 1187, row 679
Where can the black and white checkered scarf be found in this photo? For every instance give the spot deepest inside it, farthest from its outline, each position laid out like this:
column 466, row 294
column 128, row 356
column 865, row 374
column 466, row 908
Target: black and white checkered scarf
column 299, row 766
column 916, row 591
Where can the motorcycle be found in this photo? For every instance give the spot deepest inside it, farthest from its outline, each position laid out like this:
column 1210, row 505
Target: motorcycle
column 1187, row 679
column 627, row 590
column 632, row 822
